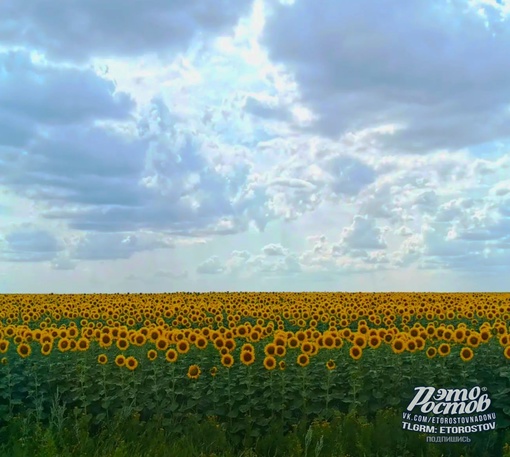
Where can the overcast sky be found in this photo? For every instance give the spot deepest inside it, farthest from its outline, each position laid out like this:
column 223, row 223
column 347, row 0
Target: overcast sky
column 190, row 145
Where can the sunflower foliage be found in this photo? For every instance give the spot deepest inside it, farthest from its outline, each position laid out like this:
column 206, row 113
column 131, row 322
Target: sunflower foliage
column 253, row 366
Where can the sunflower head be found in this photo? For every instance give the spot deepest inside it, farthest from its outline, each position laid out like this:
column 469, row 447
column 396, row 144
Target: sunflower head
column 269, row 362
column 131, row 363
column 24, row 350
column 4, row 346
column 120, row 360
column 247, row 358
column 194, row 372
column 46, row 348
column 182, row 347
column 171, row 355
column 227, row 360
column 303, row 360
column 466, row 354
column 356, row 352
column 102, row 359
column 431, row 352
column 444, row 349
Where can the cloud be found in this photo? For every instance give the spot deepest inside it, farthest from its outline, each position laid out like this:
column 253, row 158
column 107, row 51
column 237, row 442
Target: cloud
column 57, row 95
column 273, row 249
column 363, row 233
column 266, row 109
column 211, row 266
column 84, row 28
column 110, row 246
column 441, row 85
column 29, row 244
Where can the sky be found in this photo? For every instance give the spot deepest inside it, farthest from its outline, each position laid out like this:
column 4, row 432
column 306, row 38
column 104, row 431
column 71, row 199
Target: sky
column 254, row 145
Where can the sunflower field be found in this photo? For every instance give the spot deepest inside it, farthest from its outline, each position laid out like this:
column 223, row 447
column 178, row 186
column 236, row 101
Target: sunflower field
column 245, row 373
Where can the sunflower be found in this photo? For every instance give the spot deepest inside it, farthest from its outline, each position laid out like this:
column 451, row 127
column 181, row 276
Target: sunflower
column 139, row 339
column 219, row 342
column 64, row 345
column 46, row 349
column 356, row 352
column 152, row 354
column 182, row 347
column 214, row 371
column 473, row 340
column 444, row 349
column 360, row 340
column 485, row 335
column 420, row 343
column 4, row 346
column 307, row 347
column 161, row 343
column 506, row 352
column 120, row 360
column 154, row 335
column 374, row 341
column 431, row 352
column 247, row 358
column 105, row 340
column 247, row 347
column 269, row 362
column 227, row 360
column 398, row 345
column 301, row 336
column 131, row 363
column 281, row 351
column 282, row 365
column 328, row 342
column 171, row 355
column 466, row 354
column 201, row 342
column 279, row 341
column 83, row 344
column 270, row 349
column 411, row 345
column 303, row 360
column 24, row 350
column 3, row 360
column 230, row 344
column 459, row 335
column 242, row 331
column 293, row 342
column 103, row 359
column 330, row 365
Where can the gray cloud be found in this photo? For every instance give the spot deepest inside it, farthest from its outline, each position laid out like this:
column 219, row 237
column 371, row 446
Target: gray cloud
column 211, row 266
column 83, row 28
column 55, row 95
column 274, row 250
column 444, row 83
column 105, row 246
column 29, row 244
column 101, row 181
column 265, row 110
column 363, row 233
